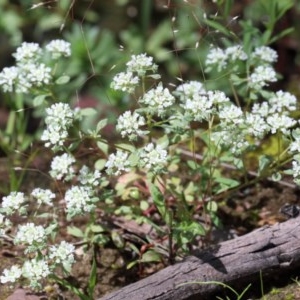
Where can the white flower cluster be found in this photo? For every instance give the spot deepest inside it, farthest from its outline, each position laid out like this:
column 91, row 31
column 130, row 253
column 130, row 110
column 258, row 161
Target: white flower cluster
column 59, row 48
column 117, row 163
column 137, row 67
column 221, row 58
column 296, row 167
column 129, row 125
column 157, row 100
column 59, row 119
column 30, row 71
column 11, row 275
column 43, row 196
column 282, row 102
column 261, row 76
column 231, row 114
column 197, row 103
column 35, row 270
column 14, row 202
column 140, row 64
column 5, row 224
column 188, row 90
column 153, row 158
column 256, row 125
column 79, row 199
column 38, row 269
column 28, row 52
column 31, row 235
column 63, row 254
column 231, row 137
column 86, row 177
column 265, row 54
column 62, row 167
column 125, row 82
column 281, row 123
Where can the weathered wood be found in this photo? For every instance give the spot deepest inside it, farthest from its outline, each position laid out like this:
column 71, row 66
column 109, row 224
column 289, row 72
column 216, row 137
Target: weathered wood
column 270, row 249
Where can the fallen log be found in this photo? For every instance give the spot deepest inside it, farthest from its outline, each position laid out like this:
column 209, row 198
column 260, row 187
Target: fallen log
column 270, row 250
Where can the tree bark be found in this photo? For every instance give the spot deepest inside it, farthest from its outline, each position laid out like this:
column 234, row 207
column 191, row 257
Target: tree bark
column 270, row 250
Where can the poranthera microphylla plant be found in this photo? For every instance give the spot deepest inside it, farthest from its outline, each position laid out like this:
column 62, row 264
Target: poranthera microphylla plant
column 155, row 131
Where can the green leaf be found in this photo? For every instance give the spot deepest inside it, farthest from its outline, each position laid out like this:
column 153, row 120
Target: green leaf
column 276, row 176
column 264, row 163
column 103, row 147
column 150, row 256
column 62, row 79
column 144, row 205
column 212, row 206
column 163, row 141
column 132, row 264
column 230, row 183
column 71, row 287
column 192, row 165
column 39, row 100
column 87, row 112
column 75, row 231
column 101, row 124
column 117, row 239
column 159, row 202
column 281, row 34
column 217, row 26
column 100, row 164
column 97, row 228
column 126, row 147
column 92, row 279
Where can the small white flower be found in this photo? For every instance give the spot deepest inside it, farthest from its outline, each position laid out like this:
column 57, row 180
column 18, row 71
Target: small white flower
column 125, row 82
column 141, row 64
column 43, row 196
column 60, row 113
column 59, row 119
column 63, row 254
column 129, row 124
column 230, row 137
column 79, row 199
column 9, row 78
column 28, row 52
column 236, row 53
column 256, row 125
column 158, row 99
column 37, row 74
column 61, row 167
column 231, row 114
column 54, row 136
column 59, row 48
column 30, row 234
column 280, row 123
column 117, row 163
column 261, row 76
column 198, row 108
column 5, row 224
column 217, row 97
column 153, row 158
column 14, row 202
column 265, row 54
column 295, row 146
column 262, row 109
column 86, row 177
column 189, row 89
column 296, row 168
column 218, row 57
column 35, row 270
column 11, row 275
column 282, row 100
